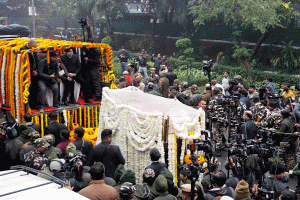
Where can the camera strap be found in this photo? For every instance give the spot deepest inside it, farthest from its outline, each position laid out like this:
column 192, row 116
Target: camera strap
column 103, row 153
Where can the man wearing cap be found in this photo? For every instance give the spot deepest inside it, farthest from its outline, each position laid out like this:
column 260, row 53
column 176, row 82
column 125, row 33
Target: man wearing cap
column 48, row 73
column 154, row 76
column 249, row 128
column 185, row 90
column 127, row 191
column 72, row 73
column 51, row 140
column 37, row 159
column 163, row 84
column 123, row 55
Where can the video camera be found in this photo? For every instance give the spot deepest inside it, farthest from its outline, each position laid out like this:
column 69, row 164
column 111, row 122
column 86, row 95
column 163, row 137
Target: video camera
column 82, row 22
column 207, row 65
column 200, row 145
column 73, row 162
column 265, row 194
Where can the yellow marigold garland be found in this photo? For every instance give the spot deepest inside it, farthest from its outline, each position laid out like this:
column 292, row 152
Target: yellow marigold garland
column 175, row 144
column 80, row 118
column 42, row 125
column 88, row 117
column 93, row 117
column 84, row 116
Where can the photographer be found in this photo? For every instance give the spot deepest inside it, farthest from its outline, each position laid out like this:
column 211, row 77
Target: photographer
column 277, row 181
column 123, row 55
column 142, row 58
column 214, row 168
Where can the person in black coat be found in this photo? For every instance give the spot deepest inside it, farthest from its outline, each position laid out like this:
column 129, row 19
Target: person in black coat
column 84, row 146
column 249, row 128
column 90, row 62
column 72, row 73
column 34, row 61
column 54, row 128
column 171, row 76
column 109, row 155
column 156, row 165
column 157, row 62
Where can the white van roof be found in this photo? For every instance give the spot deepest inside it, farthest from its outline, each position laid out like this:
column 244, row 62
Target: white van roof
column 15, row 184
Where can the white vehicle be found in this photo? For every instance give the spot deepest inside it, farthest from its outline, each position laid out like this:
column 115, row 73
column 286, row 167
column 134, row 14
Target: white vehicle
column 19, row 184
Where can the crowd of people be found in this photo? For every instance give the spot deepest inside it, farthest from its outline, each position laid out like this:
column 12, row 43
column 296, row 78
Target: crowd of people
column 238, row 119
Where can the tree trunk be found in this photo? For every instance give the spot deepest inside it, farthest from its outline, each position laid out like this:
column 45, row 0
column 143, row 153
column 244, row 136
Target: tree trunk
column 258, row 45
column 248, row 68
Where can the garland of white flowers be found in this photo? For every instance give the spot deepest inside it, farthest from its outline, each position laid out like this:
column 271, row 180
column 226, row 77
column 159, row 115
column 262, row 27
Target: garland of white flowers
column 17, row 86
column 135, row 132
column 171, row 153
column 65, row 117
column 3, row 77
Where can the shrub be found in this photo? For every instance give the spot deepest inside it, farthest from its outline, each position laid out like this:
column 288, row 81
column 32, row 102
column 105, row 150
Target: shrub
column 107, row 40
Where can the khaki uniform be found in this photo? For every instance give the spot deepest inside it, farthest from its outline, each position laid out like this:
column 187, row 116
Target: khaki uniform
column 163, row 86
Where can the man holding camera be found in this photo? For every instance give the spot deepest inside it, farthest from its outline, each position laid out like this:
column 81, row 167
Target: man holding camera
column 142, row 58
column 123, row 55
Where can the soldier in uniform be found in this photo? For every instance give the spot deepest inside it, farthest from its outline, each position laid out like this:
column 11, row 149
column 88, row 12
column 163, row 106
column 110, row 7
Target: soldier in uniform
column 217, row 114
column 185, row 91
column 36, row 158
column 285, row 141
column 260, row 112
column 274, row 119
column 163, row 84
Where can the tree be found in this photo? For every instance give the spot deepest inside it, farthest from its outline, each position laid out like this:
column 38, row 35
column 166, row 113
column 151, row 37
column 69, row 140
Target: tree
column 258, row 14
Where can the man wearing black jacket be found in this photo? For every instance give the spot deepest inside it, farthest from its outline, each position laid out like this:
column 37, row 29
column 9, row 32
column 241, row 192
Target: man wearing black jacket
column 84, row 146
column 109, row 155
column 91, row 63
column 157, row 62
column 156, row 165
column 123, row 55
column 249, row 128
column 54, row 128
column 34, row 61
column 72, row 69
column 48, row 77
column 171, row 76
column 179, row 96
column 142, row 58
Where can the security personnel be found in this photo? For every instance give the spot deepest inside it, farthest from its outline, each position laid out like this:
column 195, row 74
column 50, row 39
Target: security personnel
column 259, row 111
column 163, row 84
column 217, row 113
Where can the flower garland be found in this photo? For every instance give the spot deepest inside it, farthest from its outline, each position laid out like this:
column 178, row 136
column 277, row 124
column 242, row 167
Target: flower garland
column 17, row 88
column 65, row 118
column 84, row 116
column 68, row 120
column 76, row 117
column 175, row 156
column 57, row 119
column 93, row 117
column 3, row 77
column 80, row 118
column 88, row 117
column 42, row 125
column 46, row 120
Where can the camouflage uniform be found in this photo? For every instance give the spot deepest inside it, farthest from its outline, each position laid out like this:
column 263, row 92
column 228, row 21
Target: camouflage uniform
column 260, row 111
column 187, row 94
column 164, row 86
column 273, row 120
column 36, row 160
column 218, row 114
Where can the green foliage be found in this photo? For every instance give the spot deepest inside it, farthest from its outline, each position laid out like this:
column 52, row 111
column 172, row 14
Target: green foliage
column 241, row 53
column 289, row 57
column 196, row 75
column 107, row 40
column 258, row 14
column 153, row 49
column 183, row 44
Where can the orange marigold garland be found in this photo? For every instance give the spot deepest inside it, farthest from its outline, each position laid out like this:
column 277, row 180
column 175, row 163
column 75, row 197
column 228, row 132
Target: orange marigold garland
column 93, row 122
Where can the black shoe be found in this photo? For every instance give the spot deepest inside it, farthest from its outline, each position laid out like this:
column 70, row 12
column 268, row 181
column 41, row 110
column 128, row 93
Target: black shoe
column 65, row 103
column 73, row 101
column 87, row 101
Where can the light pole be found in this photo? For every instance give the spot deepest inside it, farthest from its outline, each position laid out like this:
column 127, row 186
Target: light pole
column 32, row 12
